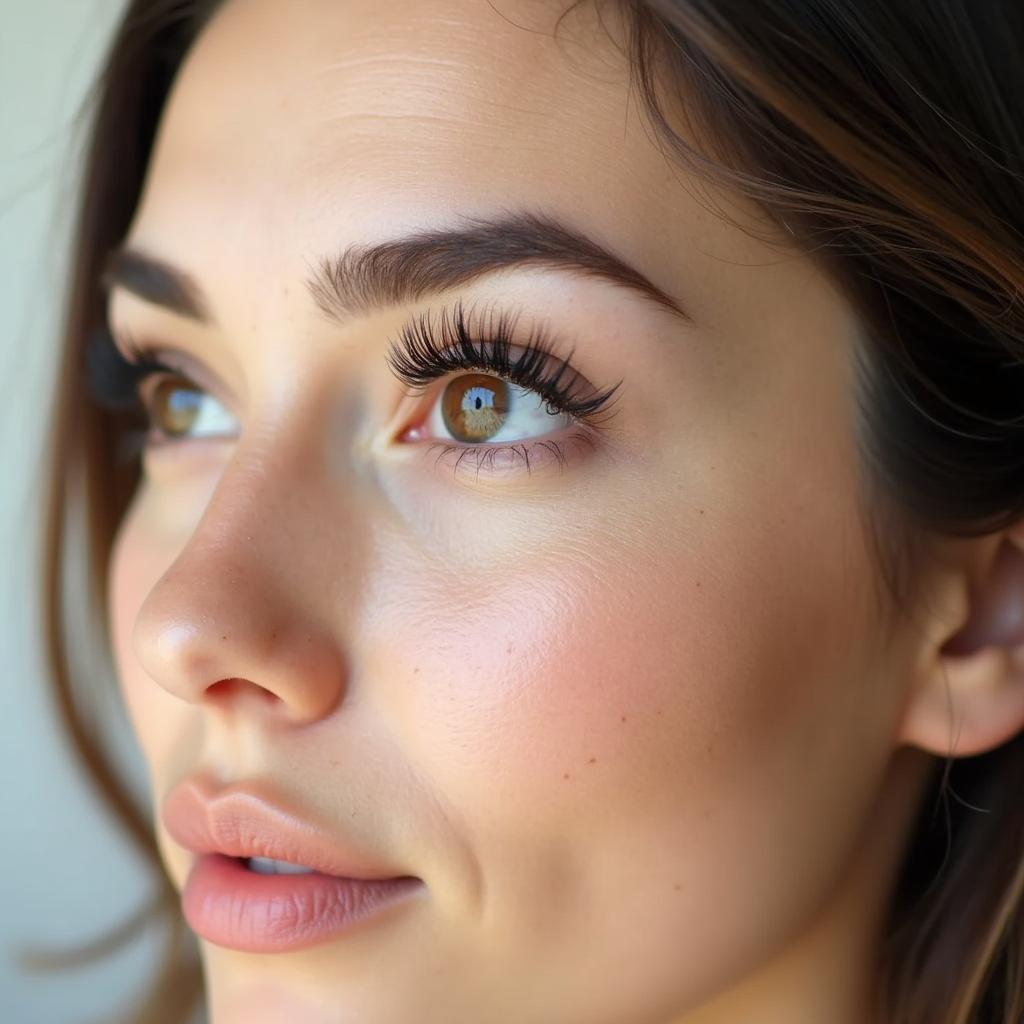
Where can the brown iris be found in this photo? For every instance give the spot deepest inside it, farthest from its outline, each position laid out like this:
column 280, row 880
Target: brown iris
column 475, row 406
column 175, row 406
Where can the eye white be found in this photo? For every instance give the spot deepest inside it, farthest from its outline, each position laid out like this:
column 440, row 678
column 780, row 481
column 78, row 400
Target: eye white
column 212, row 420
column 528, row 416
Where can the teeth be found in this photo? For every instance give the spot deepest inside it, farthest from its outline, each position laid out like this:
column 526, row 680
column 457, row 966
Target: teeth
column 268, row 866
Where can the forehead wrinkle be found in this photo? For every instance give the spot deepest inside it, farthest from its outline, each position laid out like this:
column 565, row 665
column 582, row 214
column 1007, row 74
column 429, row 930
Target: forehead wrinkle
column 454, row 80
column 487, row 102
column 336, row 162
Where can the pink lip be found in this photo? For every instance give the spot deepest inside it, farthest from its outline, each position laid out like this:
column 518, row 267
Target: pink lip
column 226, row 903
column 241, row 822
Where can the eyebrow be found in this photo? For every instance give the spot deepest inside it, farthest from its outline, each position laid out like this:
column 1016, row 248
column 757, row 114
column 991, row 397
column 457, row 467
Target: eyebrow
column 365, row 277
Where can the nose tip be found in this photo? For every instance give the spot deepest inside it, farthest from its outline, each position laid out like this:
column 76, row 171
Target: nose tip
column 250, row 614
column 234, row 662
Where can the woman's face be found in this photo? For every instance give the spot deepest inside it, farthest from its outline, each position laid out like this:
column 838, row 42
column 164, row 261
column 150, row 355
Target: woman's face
column 610, row 684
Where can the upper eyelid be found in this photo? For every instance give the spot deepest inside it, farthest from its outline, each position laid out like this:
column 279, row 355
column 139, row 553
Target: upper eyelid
column 485, row 341
column 179, row 363
column 497, row 319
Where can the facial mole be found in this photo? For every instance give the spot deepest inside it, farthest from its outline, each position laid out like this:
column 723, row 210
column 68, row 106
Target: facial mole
column 593, row 760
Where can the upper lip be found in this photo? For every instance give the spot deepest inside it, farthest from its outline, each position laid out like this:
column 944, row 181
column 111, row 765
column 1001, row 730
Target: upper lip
column 240, row 821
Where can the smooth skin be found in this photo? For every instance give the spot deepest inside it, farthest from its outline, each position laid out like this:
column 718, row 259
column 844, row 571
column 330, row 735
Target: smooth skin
column 635, row 722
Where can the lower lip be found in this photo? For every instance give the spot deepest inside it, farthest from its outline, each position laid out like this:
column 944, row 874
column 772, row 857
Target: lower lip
column 229, row 905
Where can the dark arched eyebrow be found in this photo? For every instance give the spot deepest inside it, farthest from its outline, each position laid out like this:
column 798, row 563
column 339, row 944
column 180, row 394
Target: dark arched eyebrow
column 367, row 277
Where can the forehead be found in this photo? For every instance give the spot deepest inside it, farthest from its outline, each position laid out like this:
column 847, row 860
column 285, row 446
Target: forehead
column 321, row 88
column 294, row 128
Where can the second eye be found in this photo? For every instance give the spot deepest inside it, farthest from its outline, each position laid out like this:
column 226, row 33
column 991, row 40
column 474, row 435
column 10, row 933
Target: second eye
column 477, row 408
column 177, row 409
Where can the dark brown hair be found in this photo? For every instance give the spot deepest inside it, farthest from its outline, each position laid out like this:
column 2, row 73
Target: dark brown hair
column 887, row 136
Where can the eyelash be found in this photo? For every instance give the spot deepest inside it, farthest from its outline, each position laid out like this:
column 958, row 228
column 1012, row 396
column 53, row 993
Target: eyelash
column 421, row 354
column 424, row 353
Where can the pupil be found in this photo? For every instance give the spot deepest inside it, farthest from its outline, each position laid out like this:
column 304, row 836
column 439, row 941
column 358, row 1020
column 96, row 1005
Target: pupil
column 475, row 406
column 177, row 407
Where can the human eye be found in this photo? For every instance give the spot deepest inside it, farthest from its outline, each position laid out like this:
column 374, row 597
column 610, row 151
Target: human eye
column 502, row 404
column 173, row 406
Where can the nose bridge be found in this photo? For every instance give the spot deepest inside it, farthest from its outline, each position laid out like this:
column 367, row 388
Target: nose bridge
column 253, row 594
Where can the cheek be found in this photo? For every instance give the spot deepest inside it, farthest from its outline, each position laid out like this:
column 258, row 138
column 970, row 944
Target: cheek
column 144, row 548
column 626, row 706
column 617, row 673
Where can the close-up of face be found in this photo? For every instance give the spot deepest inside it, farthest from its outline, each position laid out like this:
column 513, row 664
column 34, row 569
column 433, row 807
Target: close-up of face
column 584, row 645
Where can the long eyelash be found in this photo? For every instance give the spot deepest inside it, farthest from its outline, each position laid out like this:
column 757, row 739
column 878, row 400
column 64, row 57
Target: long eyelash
column 112, row 382
column 422, row 353
column 112, row 379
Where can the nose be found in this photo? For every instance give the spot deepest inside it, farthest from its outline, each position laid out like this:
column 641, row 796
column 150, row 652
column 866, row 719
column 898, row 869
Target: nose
column 245, row 619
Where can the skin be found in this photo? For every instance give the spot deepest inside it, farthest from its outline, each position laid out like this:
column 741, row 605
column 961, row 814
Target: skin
column 633, row 722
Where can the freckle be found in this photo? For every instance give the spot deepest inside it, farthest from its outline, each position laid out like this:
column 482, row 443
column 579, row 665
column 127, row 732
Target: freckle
column 593, row 760
column 224, row 637
column 702, row 511
column 273, row 636
column 415, row 670
column 658, row 712
column 566, row 775
column 677, row 887
column 623, row 718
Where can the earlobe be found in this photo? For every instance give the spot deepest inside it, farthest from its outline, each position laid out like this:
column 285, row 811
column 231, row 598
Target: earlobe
column 968, row 697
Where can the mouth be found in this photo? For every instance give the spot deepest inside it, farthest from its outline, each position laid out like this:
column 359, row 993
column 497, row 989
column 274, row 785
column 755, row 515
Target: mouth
column 231, row 902
column 266, row 878
column 242, row 822
column 270, row 866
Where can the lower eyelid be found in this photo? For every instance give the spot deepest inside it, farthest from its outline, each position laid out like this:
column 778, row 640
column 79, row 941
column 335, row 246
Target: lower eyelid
column 471, row 463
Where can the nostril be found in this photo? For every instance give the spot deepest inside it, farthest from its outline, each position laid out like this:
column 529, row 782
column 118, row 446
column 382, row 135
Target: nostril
column 222, row 688
column 234, row 688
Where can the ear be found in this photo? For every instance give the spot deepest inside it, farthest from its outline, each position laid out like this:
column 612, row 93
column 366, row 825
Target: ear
column 967, row 696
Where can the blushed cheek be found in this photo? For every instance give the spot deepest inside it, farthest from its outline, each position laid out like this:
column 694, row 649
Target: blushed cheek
column 550, row 679
column 575, row 686
column 173, row 493
column 137, row 563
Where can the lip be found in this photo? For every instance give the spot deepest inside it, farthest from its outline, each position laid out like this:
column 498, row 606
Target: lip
column 241, row 821
column 226, row 903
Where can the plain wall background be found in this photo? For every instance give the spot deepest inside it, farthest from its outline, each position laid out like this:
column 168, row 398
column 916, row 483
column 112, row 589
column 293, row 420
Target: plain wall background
column 66, row 875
